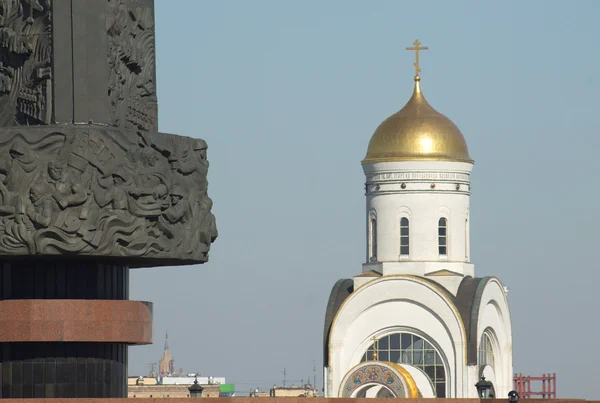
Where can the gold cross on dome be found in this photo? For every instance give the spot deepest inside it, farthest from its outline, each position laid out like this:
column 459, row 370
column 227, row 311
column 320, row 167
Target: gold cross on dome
column 416, row 48
column 374, row 348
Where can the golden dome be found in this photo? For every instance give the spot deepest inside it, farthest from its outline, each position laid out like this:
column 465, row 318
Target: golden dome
column 417, row 132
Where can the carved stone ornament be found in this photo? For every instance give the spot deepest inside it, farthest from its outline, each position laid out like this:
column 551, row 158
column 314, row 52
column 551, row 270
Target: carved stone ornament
column 131, row 61
column 25, row 62
column 104, row 192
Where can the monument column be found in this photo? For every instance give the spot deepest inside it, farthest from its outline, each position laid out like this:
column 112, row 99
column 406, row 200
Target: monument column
column 88, row 190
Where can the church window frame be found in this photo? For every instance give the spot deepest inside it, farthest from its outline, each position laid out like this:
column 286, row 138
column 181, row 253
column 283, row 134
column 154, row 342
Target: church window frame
column 485, row 350
column 404, row 237
column 372, row 237
column 443, row 237
column 410, row 348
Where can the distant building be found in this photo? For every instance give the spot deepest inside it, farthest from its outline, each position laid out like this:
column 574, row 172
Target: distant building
column 166, row 365
column 164, row 387
column 169, row 383
column 292, row 391
column 188, row 380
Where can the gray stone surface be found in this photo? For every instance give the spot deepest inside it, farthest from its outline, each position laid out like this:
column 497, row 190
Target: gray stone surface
column 83, row 170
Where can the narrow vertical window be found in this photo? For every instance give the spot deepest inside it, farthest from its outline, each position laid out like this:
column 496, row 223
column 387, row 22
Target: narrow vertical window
column 467, row 240
column 404, row 238
column 443, row 236
column 373, row 240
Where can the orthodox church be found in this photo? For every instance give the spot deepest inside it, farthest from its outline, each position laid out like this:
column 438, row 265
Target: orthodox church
column 417, row 322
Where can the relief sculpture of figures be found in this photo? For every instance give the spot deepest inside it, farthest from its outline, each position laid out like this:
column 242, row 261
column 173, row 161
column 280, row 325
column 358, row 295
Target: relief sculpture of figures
column 25, row 62
column 132, row 91
column 84, row 170
column 104, row 192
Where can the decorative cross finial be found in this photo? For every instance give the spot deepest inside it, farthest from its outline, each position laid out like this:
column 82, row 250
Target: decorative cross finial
column 416, row 48
column 374, row 348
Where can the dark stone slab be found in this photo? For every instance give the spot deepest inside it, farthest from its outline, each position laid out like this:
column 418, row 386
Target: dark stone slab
column 62, row 62
column 63, row 370
column 90, row 64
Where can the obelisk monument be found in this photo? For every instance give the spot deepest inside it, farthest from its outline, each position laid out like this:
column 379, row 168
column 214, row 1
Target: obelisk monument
column 88, row 189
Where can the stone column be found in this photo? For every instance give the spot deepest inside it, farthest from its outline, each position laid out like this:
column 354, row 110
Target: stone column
column 88, row 190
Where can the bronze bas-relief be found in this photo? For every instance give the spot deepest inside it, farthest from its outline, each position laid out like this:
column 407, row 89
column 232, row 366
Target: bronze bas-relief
column 25, row 62
column 131, row 62
column 100, row 191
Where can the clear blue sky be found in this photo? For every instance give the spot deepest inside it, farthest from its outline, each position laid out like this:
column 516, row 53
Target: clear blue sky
column 287, row 95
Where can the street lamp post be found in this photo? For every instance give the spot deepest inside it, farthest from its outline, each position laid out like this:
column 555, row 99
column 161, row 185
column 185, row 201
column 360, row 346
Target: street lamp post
column 196, row 389
column 484, row 388
column 513, row 396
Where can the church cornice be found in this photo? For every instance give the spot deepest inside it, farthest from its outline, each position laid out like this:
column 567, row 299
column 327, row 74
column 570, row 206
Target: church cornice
column 420, row 175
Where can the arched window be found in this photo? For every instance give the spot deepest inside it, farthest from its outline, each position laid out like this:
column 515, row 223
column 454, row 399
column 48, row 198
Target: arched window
column 406, row 348
column 443, row 236
column 486, row 351
column 404, row 238
column 373, row 236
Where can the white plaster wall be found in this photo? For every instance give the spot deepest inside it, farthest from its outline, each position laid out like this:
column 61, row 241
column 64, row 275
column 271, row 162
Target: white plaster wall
column 494, row 318
column 394, row 304
column 404, row 189
column 421, row 379
column 490, row 375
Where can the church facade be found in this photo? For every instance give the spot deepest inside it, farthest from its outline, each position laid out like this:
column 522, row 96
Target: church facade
column 417, row 322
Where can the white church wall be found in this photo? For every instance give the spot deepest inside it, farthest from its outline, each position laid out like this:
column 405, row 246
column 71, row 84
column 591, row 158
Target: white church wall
column 471, row 378
column 494, row 319
column 395, row 304
column 490, row 375
column 423, row 192
column 421, row 379
column 451, row 282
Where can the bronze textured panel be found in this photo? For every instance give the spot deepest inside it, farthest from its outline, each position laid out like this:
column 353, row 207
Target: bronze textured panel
column 76, row 191
column 25, row 63
column 131, row 62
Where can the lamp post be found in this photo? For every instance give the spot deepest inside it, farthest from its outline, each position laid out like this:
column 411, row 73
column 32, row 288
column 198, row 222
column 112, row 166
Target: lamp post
column 196, row 389
column 484, row 388
column 513, row 396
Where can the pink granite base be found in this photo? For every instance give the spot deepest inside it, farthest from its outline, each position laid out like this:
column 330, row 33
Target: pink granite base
column 72, row 320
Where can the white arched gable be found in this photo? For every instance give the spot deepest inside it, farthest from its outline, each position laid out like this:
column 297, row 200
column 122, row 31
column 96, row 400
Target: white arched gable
column 389, row 304
column 494, row 319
